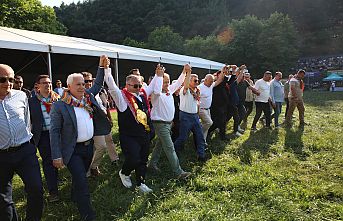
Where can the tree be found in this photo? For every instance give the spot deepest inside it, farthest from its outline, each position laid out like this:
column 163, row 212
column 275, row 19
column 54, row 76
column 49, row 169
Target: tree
column 30, row 15
column 277, row 44
column 205, row 47
column 165, row 39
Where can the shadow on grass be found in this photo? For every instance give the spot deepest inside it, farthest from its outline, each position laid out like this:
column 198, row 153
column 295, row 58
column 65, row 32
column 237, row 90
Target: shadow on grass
column 260, row 141
column 294, row 143
column 314, row 98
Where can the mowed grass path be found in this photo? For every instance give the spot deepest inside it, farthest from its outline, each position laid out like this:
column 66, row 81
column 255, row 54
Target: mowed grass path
column 281, row 174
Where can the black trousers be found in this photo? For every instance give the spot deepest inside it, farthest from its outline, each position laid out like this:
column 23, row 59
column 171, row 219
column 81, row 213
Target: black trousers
column 287, row 106
column 265, row 107
column 50, row 172
column 242, row 112
column 136, row 152
column 249, row 105
column 24, row 162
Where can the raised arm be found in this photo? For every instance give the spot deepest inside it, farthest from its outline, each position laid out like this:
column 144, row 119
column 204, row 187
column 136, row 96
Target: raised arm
column 99, row 80
column 178, row 83
column 114, row 91
column 156, row 83
column 188, row 71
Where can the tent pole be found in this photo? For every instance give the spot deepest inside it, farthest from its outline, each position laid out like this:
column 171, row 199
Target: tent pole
column 116, row 72
column 49, row 65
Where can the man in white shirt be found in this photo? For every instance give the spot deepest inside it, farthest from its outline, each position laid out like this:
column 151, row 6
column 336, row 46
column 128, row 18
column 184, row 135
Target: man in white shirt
column 189, row 118
column 134, row 123
column 206, row 92
column 262, row 99
column 162, row 115
column 74, row 122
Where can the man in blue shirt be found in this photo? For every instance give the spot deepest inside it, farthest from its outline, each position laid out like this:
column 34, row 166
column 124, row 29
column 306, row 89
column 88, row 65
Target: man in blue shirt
column 17, row 155
column 277, row 96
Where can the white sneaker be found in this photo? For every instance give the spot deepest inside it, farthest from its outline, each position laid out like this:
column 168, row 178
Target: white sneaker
column 144, row 188
column 240, row 130
column 126, row 180
column 238, row 134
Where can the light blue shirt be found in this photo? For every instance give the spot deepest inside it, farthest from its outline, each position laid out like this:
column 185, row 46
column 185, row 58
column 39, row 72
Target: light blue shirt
column 15, row 128
column 46, row 115
column 276, row 91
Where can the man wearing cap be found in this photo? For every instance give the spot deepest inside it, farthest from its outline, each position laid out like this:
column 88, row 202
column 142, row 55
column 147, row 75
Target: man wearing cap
column 295, row 97
column 75, row 119
column 262, row 99
column 17, row 154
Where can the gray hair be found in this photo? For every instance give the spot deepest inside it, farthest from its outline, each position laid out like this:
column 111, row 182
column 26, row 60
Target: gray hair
column 209, row 76
column 131, row 76
column 71, row 77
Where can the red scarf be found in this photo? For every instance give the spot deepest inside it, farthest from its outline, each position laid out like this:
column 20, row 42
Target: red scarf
column 53, row 97
column 130, row 100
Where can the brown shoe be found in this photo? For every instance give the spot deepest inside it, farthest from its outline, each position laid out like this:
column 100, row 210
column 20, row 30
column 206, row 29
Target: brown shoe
column 95, row 172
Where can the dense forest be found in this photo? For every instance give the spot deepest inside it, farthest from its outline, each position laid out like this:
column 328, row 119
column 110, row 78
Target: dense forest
column 264, row 34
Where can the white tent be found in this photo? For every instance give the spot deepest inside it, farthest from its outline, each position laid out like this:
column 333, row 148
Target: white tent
column 18, row 39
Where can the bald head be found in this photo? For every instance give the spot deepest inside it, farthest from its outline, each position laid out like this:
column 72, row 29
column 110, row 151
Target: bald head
column 209, row 79
column 5, row 69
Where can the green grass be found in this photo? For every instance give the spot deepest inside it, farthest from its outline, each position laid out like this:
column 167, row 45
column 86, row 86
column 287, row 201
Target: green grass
column 288, row 174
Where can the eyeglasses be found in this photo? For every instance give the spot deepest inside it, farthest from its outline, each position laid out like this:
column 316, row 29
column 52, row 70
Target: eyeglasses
column 88, row 81
column 196, row 81
column 136, row 85
column 45, row 82
column 19, row 82
column 4, row 79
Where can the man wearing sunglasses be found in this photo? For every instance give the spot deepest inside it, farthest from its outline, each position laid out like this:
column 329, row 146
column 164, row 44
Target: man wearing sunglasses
column 135, row 127
column 18, row 85
column 189, row 118
column 17, row 154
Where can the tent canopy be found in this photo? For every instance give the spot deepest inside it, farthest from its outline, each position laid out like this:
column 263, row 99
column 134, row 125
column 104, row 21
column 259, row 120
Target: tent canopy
column 11, row 38
column 333, row 77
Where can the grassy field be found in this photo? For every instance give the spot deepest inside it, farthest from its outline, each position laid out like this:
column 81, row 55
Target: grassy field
column 285, row 174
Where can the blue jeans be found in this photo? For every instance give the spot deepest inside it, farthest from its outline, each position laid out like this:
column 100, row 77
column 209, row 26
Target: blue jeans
column 190, row 122
column 277, row 113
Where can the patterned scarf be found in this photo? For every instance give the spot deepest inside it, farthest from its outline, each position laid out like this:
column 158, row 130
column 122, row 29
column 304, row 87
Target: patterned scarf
column 195, row 93
column 53, row 97
column 85, row 103
column 139, row 115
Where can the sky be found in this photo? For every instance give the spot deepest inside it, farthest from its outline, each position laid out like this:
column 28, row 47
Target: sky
column 53, row 3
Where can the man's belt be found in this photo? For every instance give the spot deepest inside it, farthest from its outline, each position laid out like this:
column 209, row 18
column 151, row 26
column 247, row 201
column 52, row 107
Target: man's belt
column 161, row 122
column 204, row 108
column 85, row 143
column 13, row 149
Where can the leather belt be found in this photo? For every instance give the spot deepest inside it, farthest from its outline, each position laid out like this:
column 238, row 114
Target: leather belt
column 162, row 122
column 13, row 149
column 204, row 108
column 86, row 143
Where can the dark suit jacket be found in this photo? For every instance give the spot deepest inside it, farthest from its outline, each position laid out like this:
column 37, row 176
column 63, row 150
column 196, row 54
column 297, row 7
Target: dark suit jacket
column 63, row 129
column 36, row 119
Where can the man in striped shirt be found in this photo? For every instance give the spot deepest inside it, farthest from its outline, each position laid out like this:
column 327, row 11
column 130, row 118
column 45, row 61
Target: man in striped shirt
column 17, row 155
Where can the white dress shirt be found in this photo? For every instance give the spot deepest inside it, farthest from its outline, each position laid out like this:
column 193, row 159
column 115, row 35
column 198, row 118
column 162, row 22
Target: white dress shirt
column 162, row 104
column 85, row 128
column 206, row 95
column 155, row 86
